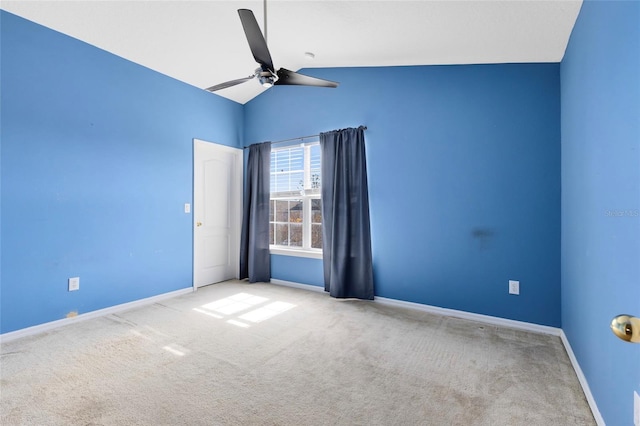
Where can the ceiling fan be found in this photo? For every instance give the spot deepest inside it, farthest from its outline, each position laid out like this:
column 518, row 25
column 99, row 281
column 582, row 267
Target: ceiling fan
column 266, row 74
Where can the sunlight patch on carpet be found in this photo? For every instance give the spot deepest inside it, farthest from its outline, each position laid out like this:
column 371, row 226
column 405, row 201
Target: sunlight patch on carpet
column 241, row 303
column 238, row 323
column 236, row 303
column 176, row 350
column 266, row 312
column 211, row 314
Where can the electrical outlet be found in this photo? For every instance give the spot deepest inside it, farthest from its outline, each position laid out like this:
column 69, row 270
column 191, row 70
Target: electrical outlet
column 636, row 408
column 74, row 284
column 514, row 287
column 187, row 208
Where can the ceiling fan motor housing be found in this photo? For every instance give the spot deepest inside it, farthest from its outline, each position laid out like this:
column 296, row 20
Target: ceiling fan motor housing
column 266, row 77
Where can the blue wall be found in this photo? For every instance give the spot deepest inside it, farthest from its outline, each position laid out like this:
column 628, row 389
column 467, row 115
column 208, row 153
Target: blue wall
column 600, row 76
column 96, row 168
column 464, row 179
column 297, row 270
column 464, row 164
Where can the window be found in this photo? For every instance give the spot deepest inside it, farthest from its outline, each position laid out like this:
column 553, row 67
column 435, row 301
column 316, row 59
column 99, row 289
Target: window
column 295, row 215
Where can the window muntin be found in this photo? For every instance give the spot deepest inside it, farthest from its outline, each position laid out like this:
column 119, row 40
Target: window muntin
column 295, row 215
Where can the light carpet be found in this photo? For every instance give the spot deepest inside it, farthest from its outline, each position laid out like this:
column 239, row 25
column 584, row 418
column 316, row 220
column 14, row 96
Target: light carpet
column 258, row 354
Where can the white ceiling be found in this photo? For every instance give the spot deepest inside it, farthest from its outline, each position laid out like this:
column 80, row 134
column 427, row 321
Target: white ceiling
column 202, row 42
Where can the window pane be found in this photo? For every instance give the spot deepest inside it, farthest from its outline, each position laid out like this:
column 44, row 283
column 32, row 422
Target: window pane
column 315, row 166
column 282, row 234
column 280, row 182
column 297, row 181
column 288, row 159
column 316, row 212
column 296, row 235
column 282, row 211
column 271, row 233
column 316, row 236
column 295, row 211
column 271, row 210
column 288, row 181
column 315, row 180
column 287, row 169
column 282, row 160
column 296, row 159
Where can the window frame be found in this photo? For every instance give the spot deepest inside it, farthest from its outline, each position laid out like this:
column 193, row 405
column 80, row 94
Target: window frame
column 306, row 195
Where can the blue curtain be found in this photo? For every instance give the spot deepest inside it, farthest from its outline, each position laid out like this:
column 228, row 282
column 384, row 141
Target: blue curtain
column 346, row 235
column 254, row 245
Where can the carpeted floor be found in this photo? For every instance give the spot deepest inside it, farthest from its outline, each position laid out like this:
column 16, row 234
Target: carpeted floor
column 258, row 354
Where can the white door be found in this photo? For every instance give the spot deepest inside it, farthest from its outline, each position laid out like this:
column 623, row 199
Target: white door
column 217, row 212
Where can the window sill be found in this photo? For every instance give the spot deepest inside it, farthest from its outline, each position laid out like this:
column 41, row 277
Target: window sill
column 297, row 253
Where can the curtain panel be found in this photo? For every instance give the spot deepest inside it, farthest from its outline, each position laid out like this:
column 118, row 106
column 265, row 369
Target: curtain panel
column 348, row 267
column 255, row 262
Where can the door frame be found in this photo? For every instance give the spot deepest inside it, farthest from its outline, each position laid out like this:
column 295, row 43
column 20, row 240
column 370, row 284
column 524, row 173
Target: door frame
column 236, row 203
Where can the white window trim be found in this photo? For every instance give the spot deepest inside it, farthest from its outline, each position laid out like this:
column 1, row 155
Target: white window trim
column 302, row 251
column 312, row 254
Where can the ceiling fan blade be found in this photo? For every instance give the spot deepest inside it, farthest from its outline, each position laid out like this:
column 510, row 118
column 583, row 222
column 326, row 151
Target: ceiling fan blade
column 290, row 78
column 256, row 40
column 228, row 84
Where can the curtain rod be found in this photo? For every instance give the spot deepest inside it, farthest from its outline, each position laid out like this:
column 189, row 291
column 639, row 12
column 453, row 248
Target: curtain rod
column 300, row 138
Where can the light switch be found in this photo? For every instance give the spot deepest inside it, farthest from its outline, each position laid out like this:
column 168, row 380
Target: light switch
column 187, row 208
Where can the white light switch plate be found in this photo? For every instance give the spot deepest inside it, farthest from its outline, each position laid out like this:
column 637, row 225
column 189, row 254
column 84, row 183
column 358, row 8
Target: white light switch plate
column 514, row 287
column 636, row 408
column 74, row 284
column 187, row 208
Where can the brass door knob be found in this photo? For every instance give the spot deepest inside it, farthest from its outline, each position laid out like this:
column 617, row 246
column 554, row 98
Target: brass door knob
column 626, row 328
column 198, row 223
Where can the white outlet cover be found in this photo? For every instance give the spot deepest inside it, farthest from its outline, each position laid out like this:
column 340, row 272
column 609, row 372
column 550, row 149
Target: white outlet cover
column 187, row 208
column 636, row 408
column 514, row 287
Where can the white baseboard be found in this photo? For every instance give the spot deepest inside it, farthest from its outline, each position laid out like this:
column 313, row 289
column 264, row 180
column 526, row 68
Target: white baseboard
column 487, row 319
column 298, row 285
column 40, row 328
column 583, row 380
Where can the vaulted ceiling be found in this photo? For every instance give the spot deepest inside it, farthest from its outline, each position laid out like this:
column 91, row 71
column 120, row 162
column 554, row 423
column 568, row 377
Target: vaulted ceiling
column 202, row 42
